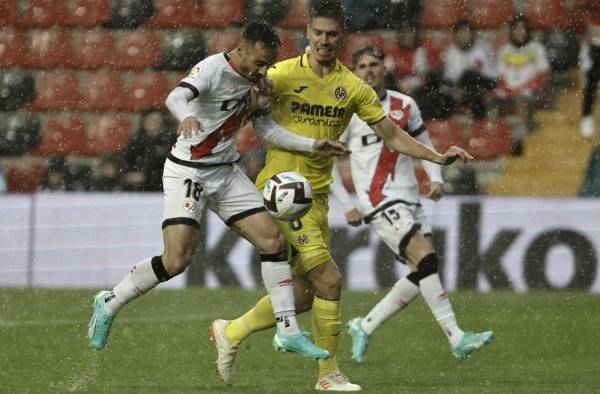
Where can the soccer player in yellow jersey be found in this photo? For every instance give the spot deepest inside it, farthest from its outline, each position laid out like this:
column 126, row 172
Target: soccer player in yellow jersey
column 316, row 96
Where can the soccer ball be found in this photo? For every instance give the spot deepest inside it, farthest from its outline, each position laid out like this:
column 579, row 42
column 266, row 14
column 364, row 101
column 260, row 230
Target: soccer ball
column 287, row 196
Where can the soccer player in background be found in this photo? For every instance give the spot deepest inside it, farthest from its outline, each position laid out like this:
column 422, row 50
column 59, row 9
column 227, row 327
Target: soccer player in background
column 211, row 104
column 388, row 200
column 316, row 96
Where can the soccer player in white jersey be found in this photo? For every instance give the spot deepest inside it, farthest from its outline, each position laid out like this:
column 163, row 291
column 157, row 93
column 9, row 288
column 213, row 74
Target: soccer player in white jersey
column 388, row 200
column 211, row 104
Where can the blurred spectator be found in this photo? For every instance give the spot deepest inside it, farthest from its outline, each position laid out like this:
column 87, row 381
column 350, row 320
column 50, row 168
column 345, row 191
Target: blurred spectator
column 3, row 186
column 365, row 15
column 470, row 67
column 269, row 11
column 591, row 10
column 57, row 175
column 404, row 13
column 591, row 183
column 253, row 161
column 523, row 69
column 146, row 153
column 106, row 173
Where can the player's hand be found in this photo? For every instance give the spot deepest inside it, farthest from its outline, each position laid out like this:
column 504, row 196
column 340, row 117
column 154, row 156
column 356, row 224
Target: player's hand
column 354, row 217
column 453, row 153
column 261, row 94
column 190, row 127
column 436, row 191
column 330, row 148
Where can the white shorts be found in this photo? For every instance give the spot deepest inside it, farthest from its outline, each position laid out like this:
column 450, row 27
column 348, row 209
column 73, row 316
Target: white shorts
column 397, row 223
column 224, row 189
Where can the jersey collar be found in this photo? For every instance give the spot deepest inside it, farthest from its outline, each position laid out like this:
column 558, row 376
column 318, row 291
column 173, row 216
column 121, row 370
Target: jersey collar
column 304, row 63
column 233, row 66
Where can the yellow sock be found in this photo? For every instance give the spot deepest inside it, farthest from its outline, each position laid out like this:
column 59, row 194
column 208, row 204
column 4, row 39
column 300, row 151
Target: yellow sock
column 258, row 318
column 326, row 325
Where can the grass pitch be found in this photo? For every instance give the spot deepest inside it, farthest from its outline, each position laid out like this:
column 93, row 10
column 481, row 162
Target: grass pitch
column 545, row 342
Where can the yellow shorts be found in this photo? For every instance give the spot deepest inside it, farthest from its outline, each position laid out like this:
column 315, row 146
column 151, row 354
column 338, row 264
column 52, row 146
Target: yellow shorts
column 308, row 238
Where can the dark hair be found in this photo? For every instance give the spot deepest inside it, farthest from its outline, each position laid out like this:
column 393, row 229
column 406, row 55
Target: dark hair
column 520, row 18
column 331, row 9
column 368, row 50
column 261, row 32
column 461, row 24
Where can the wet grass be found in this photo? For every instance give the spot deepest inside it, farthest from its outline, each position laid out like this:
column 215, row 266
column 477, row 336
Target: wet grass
column 545, row 342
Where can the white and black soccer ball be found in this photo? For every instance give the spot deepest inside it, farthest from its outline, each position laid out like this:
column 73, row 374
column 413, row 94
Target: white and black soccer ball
column 288, row 196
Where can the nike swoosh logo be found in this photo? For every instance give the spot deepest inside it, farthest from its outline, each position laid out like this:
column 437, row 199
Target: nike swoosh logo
column 300, row 88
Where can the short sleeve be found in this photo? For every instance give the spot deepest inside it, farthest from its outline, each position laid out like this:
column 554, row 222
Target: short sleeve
column 415, row 122
column 369, row 108
column 198, row 80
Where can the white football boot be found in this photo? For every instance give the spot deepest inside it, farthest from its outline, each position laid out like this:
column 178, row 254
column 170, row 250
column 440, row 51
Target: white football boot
column 336, row 381
column 225, row 351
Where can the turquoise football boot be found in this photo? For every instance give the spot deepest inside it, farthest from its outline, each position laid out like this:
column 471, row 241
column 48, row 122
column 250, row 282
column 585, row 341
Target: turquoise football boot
column 360, row 340
column 100, row 323
column 299, row 343
column 470, row 342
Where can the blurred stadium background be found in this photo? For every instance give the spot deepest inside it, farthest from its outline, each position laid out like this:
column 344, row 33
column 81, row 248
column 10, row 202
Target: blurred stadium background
column 83, row 81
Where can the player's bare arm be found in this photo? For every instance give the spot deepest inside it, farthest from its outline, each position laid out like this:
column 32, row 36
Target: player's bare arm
column 436, row 191
column 400, row 141
column 326, row 147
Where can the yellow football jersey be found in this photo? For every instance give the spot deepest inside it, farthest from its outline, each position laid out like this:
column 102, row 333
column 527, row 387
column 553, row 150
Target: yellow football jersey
column 315, row 107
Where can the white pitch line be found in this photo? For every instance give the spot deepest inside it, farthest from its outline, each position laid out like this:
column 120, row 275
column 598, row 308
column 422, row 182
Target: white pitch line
column 71, row 322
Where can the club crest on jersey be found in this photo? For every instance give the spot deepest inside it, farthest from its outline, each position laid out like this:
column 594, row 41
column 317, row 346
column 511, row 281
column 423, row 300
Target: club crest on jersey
column 189, row 205
column 194, row 73
column 341, row 93
column 396, row 115
column 302, row 239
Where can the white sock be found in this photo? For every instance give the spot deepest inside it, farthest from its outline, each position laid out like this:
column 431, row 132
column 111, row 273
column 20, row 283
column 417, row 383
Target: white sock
column 138, row 281
column 277, row 277
column 399, row 296
column 439, row 304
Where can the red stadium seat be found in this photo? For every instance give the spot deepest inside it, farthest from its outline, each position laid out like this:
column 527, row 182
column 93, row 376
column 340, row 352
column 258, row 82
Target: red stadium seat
column 8, row 12
column 442, row 14
column 13, row 45
column 173, row 13
column 49, row 49
column 93, row 49
column 56, row 90
column 356, row 41
column 490, row 139
column 297, row 17
column 224, row 40
column 42, row 13
column 63, row 135
column 145, row 90
column 138, row 49
column 289, row 45
column 25, row 176
column 85, row 13
column 490, row 14
column 108, row 133
column 101, row 91
column 545, row 14
column 445, row 133
column 219, row 13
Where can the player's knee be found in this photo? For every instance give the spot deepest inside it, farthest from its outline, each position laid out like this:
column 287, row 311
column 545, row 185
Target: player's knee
column 175, row 262
column 273, row 244
column 330, row 285
column 427, row 266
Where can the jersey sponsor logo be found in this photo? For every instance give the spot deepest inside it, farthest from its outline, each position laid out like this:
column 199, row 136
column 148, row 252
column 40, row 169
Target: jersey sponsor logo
column 194, row 73
column 341, row 93
column 300, row 88
column 317, row 114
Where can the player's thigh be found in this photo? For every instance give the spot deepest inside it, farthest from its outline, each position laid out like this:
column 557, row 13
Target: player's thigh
column 308, row 237
column 261, row 231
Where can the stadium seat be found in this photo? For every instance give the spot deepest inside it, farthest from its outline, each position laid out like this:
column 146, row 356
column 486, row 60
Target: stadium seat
column 146, row 90
column 8, row 12
column 93, row 48
column 12, row 47
column 49, row 49
column 356, row 41
column 56, row 90
column 16, row 88
column 219, row 13
column 181, row 50
column 127, row 14
column 108, row 133
column 42, row 13
column 442, row 14
column 545, row 14
column 297, row 16
column 19, row 132
column 138, row 49
column 62, row 135
column 490, row 139
column 289, row 45
column 490, row 14
column 224, row 40
column 173, row 13
column 85, row 13
column 25, row 176
column 445, row 133
column 101, row 91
